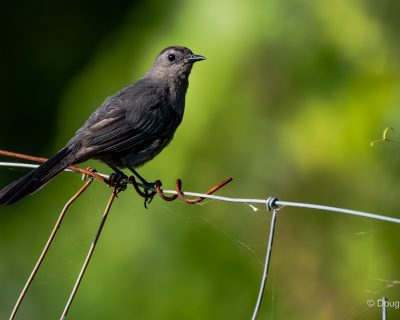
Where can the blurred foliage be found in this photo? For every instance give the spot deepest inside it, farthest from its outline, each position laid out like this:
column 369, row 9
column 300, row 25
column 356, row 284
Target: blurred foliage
column 287, row 102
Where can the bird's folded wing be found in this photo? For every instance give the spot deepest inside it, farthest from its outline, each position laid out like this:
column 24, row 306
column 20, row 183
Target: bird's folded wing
column 116, row 132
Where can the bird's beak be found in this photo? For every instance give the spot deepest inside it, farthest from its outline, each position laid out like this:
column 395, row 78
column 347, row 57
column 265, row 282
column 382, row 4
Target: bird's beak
column 195, row 57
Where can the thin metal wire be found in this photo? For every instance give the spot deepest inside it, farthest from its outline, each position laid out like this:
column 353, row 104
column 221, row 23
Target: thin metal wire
column 384, row 302
column 40, row 159
column 46, row 247
column 340, row 210
column 264, row 201
column 19, row 165
column 34, row 166
column 266, row 265
column 89, row 255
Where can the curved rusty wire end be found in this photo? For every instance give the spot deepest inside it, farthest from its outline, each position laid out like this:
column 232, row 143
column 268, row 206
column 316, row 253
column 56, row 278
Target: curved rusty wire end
column 157, row 186
column 181, row 195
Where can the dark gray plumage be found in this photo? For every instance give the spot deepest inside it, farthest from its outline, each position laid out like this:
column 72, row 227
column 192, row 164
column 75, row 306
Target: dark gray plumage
column 128, row 129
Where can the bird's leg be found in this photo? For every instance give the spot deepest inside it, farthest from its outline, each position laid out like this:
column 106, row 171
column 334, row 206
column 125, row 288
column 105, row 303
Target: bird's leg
column 147, row 186
column 142, row 180
column 118, row 179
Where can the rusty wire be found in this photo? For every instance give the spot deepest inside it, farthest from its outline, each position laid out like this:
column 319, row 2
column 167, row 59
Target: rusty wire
column 198, row 199
column 155, row 188
column 89, row 254
column 47, row 246
column 148, row 192
column 41, row 159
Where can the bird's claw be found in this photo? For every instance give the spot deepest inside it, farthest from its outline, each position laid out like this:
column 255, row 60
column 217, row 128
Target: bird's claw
column 149, row 193
column 119, row 181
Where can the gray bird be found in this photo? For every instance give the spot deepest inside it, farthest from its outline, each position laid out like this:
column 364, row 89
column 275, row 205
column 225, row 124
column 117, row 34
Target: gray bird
column 130, row 128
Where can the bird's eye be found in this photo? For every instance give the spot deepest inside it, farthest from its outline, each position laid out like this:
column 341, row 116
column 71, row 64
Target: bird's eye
column 171, row 57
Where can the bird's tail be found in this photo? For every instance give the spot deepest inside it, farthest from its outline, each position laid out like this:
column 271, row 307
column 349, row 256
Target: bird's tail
column 37, row 178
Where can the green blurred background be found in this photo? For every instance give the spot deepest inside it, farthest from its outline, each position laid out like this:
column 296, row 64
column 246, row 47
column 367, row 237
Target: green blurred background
column 287, row 103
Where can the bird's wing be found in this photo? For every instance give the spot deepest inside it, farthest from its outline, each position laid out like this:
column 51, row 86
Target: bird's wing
column 125, row 121
column 117, row 133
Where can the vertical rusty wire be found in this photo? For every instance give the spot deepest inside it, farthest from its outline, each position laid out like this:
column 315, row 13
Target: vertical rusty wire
column 47, row 246
column 89, row 255
column 155, row 189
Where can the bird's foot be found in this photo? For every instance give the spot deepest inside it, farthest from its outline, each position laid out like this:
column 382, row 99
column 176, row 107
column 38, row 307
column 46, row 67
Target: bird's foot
column 146, row 190
column 149, row 192
column 119, row 181
column 149, row 188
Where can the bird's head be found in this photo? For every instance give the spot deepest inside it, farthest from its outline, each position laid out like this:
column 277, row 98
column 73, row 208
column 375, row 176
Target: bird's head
column 175, row 62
